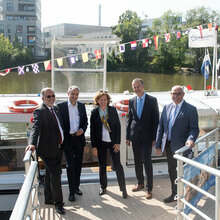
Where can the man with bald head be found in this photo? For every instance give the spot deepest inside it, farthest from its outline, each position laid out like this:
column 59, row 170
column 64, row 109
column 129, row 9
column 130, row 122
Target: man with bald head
column 178, row 127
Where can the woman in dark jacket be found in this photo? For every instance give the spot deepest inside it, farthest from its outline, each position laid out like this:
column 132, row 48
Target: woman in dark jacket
column 105, row 133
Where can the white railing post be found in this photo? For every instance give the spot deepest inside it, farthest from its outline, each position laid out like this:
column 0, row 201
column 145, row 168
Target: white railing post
column 216, row 147
column 217, row 202
column 180, row 189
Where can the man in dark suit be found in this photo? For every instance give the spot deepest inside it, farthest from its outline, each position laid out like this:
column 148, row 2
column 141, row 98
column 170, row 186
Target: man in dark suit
column 143, row 117
column 178, row 127
column 75, row 124
column 46, row 137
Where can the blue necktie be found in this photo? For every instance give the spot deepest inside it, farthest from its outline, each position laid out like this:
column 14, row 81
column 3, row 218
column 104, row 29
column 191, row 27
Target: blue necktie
column 171, row 121
column 139, row 107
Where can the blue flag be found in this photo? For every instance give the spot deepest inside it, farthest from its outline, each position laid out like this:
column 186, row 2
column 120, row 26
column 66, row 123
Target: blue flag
column 205, row 65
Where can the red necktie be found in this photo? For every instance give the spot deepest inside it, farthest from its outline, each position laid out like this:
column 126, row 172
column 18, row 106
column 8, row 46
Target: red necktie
column 60, row 137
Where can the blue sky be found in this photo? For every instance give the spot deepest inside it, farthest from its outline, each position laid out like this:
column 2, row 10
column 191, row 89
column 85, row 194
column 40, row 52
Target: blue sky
column 86, row 11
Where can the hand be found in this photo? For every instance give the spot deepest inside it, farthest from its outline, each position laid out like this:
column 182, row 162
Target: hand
column 30, row 147
column 116, row 148
column 79, row 132
column 128, row 142
column 153, row 144
column 95, row 151
column 158, row 151
column 189, row 143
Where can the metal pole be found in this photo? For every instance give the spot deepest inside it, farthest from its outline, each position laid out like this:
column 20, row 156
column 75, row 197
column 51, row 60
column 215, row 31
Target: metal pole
column 217, row 203
column 105, row 66
column 52, row 63
column 205, row 74
column 216, row 147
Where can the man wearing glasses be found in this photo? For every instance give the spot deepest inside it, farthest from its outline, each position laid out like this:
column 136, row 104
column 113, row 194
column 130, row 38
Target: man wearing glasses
column 46, row 137
column 178, row 127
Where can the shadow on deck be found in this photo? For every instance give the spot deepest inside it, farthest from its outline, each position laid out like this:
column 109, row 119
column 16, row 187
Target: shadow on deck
column 111, row 205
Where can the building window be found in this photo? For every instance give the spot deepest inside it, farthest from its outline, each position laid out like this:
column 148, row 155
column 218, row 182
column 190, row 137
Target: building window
column 20, row 38
column 1, row 28
column 9, row 18
column 9, row 28
column 31, row 39
column 10, row 7
column 31, row 29
column 19, row 29
column 23, row 7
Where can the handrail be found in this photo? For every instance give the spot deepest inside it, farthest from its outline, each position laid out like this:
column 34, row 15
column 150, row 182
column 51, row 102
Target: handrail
column 181, row 160
column 19, row 210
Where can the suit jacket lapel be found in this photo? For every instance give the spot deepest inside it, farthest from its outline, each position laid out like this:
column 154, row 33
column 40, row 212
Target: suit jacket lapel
column 169, row 108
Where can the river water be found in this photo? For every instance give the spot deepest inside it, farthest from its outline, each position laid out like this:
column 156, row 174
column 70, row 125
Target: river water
column 92, row 82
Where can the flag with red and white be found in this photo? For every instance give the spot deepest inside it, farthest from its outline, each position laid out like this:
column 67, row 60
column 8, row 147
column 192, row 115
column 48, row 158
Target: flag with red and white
column 167, row 37
column 47, row 65
column 178, row 34
column 209, row 26
column 98, row 54
column 6, row 72
column 200, row 29
column 133, row 45
column 145, row 43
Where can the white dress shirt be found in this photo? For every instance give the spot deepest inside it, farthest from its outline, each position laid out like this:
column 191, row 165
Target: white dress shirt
column 74, row 117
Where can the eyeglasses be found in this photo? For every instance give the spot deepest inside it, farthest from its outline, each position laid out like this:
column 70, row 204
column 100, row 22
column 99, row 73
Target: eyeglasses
column 105, row 91
column 50, row 96
column 177, row 93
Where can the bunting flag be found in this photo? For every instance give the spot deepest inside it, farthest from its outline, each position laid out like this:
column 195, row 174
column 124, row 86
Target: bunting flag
column 209, row 26
column 200, row 29
column 122, row 48
column 133, row 45
column 47, row 65
column 178, row 34
column 205, row 65
column 21, row 70
column 35, row 68
column 85, row 57
column 145, row 43
column 156, row 41
column 60, row 62
column 73, row 60
column 98, row 54
column 167, row 37
column 6, row 72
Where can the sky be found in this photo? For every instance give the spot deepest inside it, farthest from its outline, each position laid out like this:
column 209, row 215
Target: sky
column 86, row 11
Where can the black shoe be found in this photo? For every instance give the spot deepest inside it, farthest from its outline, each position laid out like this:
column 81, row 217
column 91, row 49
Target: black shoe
column 102, row 191
column 124, row 194
column 78, row 192
column 59, row 209
column 169, row 199
column 72, row 197
column 50, row 202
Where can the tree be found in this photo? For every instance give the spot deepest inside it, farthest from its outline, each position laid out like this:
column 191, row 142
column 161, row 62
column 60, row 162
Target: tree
column 6, row 52
column 129, row 29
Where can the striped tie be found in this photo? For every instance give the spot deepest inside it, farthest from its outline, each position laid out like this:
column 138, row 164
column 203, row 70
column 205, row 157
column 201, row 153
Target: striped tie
column 171, row 121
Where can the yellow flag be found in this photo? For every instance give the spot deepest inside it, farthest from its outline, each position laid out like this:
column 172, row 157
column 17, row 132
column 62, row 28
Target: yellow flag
column 85, row 57
column 60, row 62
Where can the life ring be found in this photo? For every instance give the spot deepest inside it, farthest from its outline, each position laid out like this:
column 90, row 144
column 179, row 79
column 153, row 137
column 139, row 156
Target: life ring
column 122, row 105
column 16, row 106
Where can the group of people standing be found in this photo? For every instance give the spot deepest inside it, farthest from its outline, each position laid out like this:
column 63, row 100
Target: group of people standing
column 62, row 128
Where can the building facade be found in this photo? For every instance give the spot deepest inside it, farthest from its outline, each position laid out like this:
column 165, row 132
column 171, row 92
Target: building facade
column 22, row 19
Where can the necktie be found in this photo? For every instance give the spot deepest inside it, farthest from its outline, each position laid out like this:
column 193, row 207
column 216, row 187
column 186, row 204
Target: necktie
column 55, row 118
column 139, row 108
column 171, row 121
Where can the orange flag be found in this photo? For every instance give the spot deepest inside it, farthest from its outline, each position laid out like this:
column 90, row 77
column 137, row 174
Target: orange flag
column 156, row 41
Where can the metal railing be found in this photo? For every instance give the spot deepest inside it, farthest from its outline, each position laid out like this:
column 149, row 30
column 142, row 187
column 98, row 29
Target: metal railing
column 27, row 204
column 181, row 160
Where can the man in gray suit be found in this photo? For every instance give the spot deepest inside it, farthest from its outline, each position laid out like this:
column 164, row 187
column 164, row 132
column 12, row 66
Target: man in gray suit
column 46, row 137
column 178, row 127
column 143, row 118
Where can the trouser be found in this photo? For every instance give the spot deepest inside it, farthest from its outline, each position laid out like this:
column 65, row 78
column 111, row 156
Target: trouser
column 141, row 162
column 74, row 156
column 172, row 165
column 52, row 179
column 102, row 157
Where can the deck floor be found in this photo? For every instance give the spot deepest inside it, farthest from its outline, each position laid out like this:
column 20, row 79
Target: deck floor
column 111, row 205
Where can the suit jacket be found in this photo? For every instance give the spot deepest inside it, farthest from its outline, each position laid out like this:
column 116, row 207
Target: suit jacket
column 96, row 127
column 45, row 133
column 64, row 111
column 144, row 128
column 185, row 127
